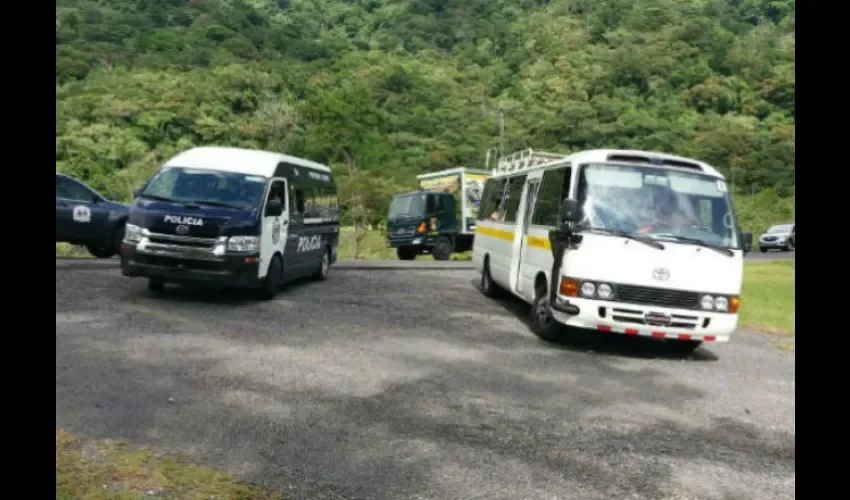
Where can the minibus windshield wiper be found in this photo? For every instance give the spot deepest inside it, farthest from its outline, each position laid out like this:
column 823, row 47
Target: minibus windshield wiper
column 161, row 198
column 645, row 241
column 698, row 242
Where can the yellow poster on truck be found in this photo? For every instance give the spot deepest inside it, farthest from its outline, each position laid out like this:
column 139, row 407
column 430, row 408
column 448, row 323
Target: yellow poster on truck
column 441, row 184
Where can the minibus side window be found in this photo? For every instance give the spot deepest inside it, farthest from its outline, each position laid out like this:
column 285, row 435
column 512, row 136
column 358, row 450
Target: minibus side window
column 513, row 194
column 491, row 200
column 554, row 187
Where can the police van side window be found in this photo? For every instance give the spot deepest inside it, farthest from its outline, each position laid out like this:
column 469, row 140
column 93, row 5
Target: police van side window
column 512, row 197
column 491, row 199
column 554, row 187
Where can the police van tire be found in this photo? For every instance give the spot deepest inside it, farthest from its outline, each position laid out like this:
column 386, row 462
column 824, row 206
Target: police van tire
column 321, row 274
column 405, row 253
column 442, row 249
column 271, row 283
column 155, row 285
column 542, row 323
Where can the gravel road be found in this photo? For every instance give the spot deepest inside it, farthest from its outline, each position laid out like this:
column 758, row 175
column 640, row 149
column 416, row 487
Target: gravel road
column 412, row 385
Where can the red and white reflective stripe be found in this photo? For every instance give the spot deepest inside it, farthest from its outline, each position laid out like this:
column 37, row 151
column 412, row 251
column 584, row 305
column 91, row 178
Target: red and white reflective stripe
column 656, row 333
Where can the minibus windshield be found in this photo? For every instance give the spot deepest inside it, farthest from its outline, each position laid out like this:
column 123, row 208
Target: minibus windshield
column 658, row 203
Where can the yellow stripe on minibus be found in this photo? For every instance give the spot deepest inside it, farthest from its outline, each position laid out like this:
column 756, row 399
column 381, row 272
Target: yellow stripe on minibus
column 495, row 233
column 538, row 242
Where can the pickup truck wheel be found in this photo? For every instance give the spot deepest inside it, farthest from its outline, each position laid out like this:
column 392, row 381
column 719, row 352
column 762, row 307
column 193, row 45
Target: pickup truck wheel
column 155, row 285
column 100, row 252
column 443, row 249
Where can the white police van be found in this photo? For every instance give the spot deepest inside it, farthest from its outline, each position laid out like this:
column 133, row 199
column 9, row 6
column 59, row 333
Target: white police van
column 628, row 242
column 233, row 217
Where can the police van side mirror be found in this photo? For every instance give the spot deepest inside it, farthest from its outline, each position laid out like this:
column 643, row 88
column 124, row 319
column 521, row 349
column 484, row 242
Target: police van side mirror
column 274, row 208
column 570, row 211
column 136, row 192
column 747, row 241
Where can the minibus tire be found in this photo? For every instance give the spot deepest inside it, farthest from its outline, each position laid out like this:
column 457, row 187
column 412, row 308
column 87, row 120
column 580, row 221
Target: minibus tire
column 684, row 346
column 550, row 331
column 488, row 287
column 271, row 284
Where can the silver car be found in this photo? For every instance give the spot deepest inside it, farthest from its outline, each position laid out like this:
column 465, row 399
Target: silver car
column 777, row 237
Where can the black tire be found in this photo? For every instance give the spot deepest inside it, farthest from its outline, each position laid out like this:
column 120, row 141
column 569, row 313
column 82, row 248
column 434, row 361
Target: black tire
column 684, row 346
column 118, row 238
column 155, row 285
column 443, row 249
column 321, row 273
column 100, row 252
column 488, row 287
column 542, row 323
column 762, row 250
column 272, row 281
column 405, row 253
column 789, row 247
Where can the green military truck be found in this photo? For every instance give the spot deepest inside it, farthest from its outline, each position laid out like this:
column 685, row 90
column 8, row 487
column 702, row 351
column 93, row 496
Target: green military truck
column 439, row 219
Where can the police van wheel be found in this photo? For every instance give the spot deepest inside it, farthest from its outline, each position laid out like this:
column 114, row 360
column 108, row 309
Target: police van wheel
column 542, row 323
column 155, row 285
column 321, row 274
column 442, row 249
column 271, row 284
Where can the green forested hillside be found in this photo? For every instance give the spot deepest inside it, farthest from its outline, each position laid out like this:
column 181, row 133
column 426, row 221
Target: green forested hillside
column 408, row 86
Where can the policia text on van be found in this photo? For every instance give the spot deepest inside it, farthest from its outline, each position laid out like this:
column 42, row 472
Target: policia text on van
column 233, row 217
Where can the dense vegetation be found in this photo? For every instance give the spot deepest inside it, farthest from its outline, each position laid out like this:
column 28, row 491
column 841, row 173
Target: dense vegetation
column 400, row 87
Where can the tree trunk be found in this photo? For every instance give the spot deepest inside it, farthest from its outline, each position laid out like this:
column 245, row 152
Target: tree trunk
column 358, row 212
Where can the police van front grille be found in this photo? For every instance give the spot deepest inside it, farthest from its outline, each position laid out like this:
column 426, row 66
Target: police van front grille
column 186, row 241
column 657, row 296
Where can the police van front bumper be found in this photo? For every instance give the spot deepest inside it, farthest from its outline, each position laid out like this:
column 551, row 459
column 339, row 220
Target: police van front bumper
column 178, row 260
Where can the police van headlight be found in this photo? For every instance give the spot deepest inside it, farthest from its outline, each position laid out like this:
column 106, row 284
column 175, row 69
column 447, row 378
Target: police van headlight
column 243, row 244
column 132, row 233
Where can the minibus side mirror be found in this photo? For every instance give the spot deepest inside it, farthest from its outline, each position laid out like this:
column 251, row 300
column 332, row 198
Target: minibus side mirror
column 747, row 241
column 570, row 211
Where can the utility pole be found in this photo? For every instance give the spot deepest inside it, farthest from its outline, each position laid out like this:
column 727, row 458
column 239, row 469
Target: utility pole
column 501, row 132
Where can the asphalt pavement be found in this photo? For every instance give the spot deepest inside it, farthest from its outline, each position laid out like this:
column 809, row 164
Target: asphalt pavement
column 412, row 385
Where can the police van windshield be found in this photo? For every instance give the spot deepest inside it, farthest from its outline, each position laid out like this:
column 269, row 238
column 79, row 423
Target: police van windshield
column 657, row 203
column 206, row 187
column 409, row 205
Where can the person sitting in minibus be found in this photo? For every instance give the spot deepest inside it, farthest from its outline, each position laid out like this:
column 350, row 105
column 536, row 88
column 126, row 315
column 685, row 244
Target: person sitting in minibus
column 667, row 214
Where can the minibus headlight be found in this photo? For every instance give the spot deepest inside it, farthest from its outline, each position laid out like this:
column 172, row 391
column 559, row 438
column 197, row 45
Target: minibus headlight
column 588, row 289
column 707, row 302
column 721, row 304
column 604, row 291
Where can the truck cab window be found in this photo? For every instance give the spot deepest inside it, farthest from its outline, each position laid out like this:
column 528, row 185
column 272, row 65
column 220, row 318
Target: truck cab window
column 435, row 204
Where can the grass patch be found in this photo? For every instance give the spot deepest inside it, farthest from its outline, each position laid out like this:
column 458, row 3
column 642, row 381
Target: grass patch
column 767, row 297
column 65, row 250
column 113, row 471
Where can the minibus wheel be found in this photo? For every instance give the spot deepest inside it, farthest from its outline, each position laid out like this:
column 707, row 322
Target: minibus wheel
column 489, row 288
column 542, row 323
column 684, row 346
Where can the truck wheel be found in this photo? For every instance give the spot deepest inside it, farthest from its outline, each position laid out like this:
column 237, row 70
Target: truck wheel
column 443, row 249
column 321, row 274
column 118, row 238
column 271, row 284
column 155, row 285
column 100, row 252
column 542, row 323
column 405, row 253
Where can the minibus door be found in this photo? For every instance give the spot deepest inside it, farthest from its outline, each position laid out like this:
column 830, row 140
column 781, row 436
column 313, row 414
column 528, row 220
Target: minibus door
column 526, row 209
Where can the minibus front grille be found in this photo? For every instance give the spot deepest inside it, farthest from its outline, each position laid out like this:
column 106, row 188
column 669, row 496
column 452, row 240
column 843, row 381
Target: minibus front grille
column 658, row 296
